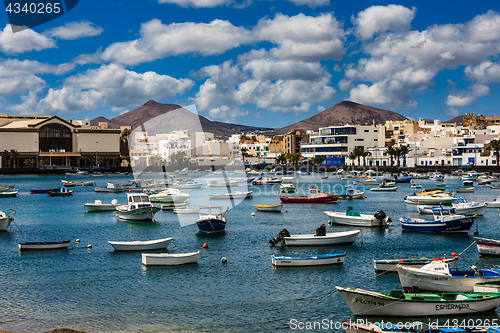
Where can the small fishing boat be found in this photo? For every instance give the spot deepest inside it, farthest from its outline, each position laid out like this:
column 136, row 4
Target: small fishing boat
column 76, row 173
column 33, row 246
column 398, row 303
column 98, row 206
column 156, row 244
column 267, row 180
column 169, row 196
column 437, row 277
column 493, row 186
column 488, row 247
column 460, row 206
column 70, row 183
column 493, row 204
column 333, row 238
column 6, row 218
column 441, row 184
column 350, row 217
column 438, row 176
column 402, row 180
column 173, row 206
column 416, row 186
column 211, row 220
column 139, row 208
column 316, row 196
column 472, row 175
column 384, row 265
column 167, row 259
column 269, row 208
column 111, row 188
column 436, row 197
column 468, row 183
column 369, row 181
column 8, row 194
column 43, row 190
column 254, row 172
column 312, row 260
column 186, row 211
column 384, row 189
column 287, row 186
column 235, row 195
column 189, row 185
column 62, row 192
column 215, row 183
column 352, row 193
column 445, row 221
column 464, row 189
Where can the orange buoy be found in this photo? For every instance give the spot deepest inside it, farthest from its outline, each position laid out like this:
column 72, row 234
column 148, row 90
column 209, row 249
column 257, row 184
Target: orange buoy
column 205, row 246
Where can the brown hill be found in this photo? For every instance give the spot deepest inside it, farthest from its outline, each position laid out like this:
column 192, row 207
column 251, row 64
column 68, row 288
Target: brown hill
column 161, row 118
column 96, row 121
column 344, row 113
column 458, row 119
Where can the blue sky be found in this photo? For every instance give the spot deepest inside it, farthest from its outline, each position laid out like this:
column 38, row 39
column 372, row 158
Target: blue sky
column 256, row 62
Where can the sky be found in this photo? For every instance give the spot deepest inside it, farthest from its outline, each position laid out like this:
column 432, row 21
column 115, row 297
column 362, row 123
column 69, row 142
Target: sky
column 256, row 62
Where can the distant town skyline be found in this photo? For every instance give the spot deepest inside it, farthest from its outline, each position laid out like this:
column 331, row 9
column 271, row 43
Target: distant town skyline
column 259, row 63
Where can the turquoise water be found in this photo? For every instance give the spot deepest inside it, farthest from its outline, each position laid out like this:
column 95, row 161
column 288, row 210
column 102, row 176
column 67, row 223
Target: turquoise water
column 99, row 290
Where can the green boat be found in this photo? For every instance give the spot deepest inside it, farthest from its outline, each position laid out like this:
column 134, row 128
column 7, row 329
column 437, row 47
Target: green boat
column 8, row 194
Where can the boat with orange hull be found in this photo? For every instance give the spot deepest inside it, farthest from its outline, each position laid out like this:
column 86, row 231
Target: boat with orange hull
column 315, row 197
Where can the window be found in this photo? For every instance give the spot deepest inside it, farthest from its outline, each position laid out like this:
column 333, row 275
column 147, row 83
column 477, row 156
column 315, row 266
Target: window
column 55, row 137
column 375, row 131
column 359, row 140
column 366, row 131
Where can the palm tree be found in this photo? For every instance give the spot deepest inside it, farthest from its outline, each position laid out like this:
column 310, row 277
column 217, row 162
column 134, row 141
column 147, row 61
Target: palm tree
column 244, row 153
column 14, row 154
column 365, row 154
column 5, row 157
column 29, row 162
column 403, row 151
column 392, row 151
column 281, row 159
column 178, row 157
column 359, row 151
column 44, row 161
column 91, row 160
column 295, row 157
column 156, row 159
column 495, row 145
column 352, row 156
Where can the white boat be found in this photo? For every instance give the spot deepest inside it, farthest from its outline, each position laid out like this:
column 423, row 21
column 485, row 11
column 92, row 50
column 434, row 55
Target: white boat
column 438, row 176
column 460, row 205
column 167, row 259
column 269, row 208
column 493, row 204
column 186, row 211
column 189, row 185
column 235, row 195
column 254, row 172
column 287, row 187
column 229, row 183
column 77, row 173
column 156, row 244
column 344, row 237
column 385, row 265
column 267, row 180
column 6, row 218
column 352, row 193
column 312, row 260
column 416, row 186
column 169, row 195
column 464, row 189
column 73, row 183
column 111, row 188
column 173, row 206
column 350, row 217
column 488, row 247
column 98, row 206
column 436, row 276
column 384, row 189
column 211, row 220
column 472, row 175
column 437, row 197
column 139, row 208
column 397, row 303
column 369, row 181
column 39, row 246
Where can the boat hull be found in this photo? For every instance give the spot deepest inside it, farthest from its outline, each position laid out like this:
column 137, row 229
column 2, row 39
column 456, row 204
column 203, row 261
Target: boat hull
column 346, row 237
column 140, row 214
column 301, row 261
column 468, row 211
column 245, row 195
column 368, row 303
column 304, row 199
column 142, row 245
column 390, row 265
column 488, row 247
column 5, row 223
column 384, row 189
column 43, row 190
column 269, row 208
column 100, row 207
column 166, row 259
column 40, row 246
column 462, row 225
column 8, row 194
column 211, row 226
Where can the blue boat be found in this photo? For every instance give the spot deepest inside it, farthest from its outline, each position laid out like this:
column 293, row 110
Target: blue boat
column 211, row 220
column 402, row 180
column 312, row 260
column 44, row 190
column 445, row 221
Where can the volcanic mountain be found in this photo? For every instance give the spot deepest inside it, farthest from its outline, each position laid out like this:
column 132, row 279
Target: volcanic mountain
column 344, row 113
column 155, row 118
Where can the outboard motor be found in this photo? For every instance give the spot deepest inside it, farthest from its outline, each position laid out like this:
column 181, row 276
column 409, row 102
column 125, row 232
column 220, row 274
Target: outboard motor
column 321, row 231
column 282, row 234
column 380, row 215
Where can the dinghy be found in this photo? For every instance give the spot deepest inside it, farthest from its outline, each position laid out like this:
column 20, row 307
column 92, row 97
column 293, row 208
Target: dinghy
column 269, row 208
column 167, row 259
column 142, row 245
column 344, row 237
column 312, row 260
column 35, row 246
column 350, row 217
column 6, row 218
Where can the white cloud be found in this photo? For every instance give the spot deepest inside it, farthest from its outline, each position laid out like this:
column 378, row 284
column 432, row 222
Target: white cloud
column 452, row 112
column 75, row 30
column 237, row 3
column 273, row 69
column 114, row 86
column 227, row 113
column 159, row 41
column 311, row 3
column 466, row 98
column 485, row 72
column 23, row 41
column 377, row 19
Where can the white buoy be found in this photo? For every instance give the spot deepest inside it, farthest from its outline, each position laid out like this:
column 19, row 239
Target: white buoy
column 253, row 214
column 78, row 240
column 89, row 246
column 223, row 260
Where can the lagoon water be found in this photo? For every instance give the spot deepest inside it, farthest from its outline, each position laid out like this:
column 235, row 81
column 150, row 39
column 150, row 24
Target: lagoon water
column 100, row 290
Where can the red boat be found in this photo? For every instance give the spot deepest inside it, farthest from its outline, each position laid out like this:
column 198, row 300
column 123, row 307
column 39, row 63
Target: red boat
column 315, row 197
